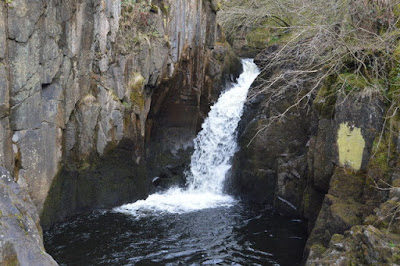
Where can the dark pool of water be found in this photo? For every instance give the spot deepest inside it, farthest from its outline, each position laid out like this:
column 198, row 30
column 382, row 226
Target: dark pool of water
column 240, row 235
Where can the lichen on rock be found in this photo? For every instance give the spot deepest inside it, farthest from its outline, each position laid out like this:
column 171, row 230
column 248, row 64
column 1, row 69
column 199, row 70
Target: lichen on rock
column 351, row 146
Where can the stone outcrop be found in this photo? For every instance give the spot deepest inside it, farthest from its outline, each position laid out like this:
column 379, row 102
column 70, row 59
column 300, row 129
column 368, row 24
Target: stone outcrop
column 21, row 240
column 85, row 84
column 361, row 245
column 332, row 158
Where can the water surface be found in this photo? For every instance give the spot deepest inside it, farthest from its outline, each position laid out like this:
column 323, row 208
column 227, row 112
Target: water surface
column 242, row 234
column 198, row 224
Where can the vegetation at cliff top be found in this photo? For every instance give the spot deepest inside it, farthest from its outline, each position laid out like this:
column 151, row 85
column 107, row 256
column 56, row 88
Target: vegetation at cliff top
column 347, row 45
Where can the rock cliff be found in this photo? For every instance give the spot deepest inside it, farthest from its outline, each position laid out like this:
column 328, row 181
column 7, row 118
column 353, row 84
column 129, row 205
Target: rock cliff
column 85, row 86
column 331, row 159
column 325, row 144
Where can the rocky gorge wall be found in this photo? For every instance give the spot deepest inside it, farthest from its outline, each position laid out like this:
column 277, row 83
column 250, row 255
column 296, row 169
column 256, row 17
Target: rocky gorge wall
column 330, row 157
column 85, row 84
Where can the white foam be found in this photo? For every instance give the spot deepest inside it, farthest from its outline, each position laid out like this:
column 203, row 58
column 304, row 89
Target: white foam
column 176, row 200
column 214, row 147
column 216, row 142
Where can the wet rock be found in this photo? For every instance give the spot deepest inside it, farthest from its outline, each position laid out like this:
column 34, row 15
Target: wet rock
column 271, row 164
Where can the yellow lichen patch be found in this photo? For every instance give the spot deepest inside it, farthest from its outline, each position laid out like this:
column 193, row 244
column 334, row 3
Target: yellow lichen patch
column 351, row 146
column 137, row 97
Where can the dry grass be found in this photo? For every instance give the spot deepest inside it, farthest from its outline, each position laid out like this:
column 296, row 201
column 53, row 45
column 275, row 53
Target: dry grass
column 319, row 41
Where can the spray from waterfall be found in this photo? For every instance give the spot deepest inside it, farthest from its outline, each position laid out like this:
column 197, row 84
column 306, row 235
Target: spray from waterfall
column 214, row 147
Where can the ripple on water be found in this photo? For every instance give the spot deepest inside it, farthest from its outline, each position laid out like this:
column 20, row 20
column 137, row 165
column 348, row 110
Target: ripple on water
column 240, row 234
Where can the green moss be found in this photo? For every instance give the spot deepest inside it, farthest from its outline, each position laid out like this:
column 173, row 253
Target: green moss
column 258, row 38
column 394, row 77
column 347, row 184
column 84, row 165
column 215, row 5
column 325, row 100
column 371, row 220
column 154, row 8
column 165, row 9
column 379, row 161
column 350, row 82
column 136, row 84
column 306, row 202
column 396, row 13
column 396, row 258
column 127, row 105
column 317, row 250
column 347, row 213
column 336, row 238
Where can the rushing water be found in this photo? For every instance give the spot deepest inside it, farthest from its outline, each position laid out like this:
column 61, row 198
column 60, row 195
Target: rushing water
column 214, row 147
column 198, row 224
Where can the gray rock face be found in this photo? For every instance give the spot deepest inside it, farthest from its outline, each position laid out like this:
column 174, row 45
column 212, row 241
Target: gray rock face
column 80, row 78
column 20, row 233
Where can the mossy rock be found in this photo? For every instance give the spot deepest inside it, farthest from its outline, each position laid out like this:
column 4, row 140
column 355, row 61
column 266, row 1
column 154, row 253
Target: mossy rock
column 325, row 100
column 348, row 213
column 215, row 5
column 258, row 38
column 351, row 82
column 396, row 183
column 336, row 238
column 382, row 152
column 154, row 8
column 371, row 220
column 165, row 8
column 317, row 250
column 346, row 184
column 136, row 85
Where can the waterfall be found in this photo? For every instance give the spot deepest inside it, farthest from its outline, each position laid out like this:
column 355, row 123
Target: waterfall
column 216, row 142
column 214, row 147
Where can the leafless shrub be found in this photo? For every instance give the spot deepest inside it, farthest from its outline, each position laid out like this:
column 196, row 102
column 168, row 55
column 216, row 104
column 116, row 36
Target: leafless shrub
column 320, row 39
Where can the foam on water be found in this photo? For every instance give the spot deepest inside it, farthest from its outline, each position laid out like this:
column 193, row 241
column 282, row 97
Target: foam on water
column 176, row 200
column 214, row 147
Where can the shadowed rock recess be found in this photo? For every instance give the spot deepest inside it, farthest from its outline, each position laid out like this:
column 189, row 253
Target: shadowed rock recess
column 95, row 93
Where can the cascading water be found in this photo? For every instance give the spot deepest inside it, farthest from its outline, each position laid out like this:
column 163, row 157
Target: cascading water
column 214, row 148
column 216, row 143
column 191, row 226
